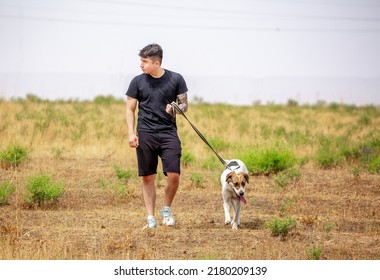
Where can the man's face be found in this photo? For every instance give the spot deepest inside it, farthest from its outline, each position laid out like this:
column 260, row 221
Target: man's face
column 148, row 66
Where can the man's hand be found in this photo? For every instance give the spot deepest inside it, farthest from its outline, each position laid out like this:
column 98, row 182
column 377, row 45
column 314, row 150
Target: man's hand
column 169, row 109
column 133, row 141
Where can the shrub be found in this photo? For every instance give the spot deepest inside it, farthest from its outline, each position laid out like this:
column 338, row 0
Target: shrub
column 106, row 100
column 187, row 157
column 365, row 120
column 314, row 252
column 284, row 177
column 292, row 103
column 364, row 151
column 281, row 226
column 13, row 156
column 327, row 155
column 196, row 179
column 6, row 189
column 374, row 165
column 326, row 158
column 31, row 97
column 123, row 174
column 269, row 160
column 42, row 189
column 121, row 190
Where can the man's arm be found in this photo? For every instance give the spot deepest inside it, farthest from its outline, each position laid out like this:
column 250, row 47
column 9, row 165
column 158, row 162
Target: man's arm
column 130, row 119
column 182, row 101
column 182, row 104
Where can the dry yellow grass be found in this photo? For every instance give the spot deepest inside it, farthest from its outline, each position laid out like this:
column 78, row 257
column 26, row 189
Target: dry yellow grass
column 79, row 143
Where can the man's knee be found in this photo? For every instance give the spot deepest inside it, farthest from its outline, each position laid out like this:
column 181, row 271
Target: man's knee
column 148, row 179
column 173, row 177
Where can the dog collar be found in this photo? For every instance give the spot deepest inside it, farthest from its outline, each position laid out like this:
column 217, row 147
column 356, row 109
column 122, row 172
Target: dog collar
column 232, row 164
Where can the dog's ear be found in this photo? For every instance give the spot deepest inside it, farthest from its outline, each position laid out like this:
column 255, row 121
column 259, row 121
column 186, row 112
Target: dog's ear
column 229, row 176
column 246, row 177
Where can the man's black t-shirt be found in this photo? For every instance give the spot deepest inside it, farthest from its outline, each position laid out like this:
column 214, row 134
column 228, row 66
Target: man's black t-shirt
column 153, row 94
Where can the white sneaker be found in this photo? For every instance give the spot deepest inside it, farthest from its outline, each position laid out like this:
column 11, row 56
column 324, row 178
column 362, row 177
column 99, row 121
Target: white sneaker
column 151, row 222
column 167, row 215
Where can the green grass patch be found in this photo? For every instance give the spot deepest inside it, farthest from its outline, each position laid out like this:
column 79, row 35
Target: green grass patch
column 13, row 156
column 314, row 252
column 374, row 166
column 280, row 226
column 269, row 160
column 42, row 189
column 123, row 174
column 196, row 179
column 6, row 189
column 187, row 158
column 287, row 176
column 212, row 163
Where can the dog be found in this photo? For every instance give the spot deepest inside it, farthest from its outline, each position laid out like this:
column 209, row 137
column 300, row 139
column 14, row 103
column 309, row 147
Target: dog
column 233, row 180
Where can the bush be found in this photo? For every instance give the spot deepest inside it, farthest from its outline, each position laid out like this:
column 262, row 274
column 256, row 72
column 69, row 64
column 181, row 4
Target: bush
column 13, row 156
column 284, row 177
column 327, row 155
column 187, row 158
column 42, row 189
column 196, row 179
column 123, row 174
column 374, row 165
column 6, row 189
column 281, row 226
column 269, row 160
column 314, row 252
column 327, row 158
column 106, row 100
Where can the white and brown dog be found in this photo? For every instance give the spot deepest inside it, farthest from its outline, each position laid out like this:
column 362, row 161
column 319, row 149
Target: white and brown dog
column 233, row 180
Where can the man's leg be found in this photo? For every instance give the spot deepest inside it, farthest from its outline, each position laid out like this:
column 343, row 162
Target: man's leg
column 171, row 188
column 149, row 193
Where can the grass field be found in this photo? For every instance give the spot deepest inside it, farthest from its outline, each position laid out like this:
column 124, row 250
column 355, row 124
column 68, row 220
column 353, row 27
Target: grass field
column 317, row 165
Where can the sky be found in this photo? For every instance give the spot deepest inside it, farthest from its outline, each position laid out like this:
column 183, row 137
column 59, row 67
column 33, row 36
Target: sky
column 245, row 42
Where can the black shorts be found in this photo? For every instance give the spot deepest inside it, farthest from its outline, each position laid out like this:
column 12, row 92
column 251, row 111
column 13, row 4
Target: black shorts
column 163, row 144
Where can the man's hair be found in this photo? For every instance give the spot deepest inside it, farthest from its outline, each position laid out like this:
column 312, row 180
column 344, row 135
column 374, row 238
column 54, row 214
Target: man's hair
column 152, row 51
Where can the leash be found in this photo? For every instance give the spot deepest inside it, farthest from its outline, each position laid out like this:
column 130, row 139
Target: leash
column 176, row 107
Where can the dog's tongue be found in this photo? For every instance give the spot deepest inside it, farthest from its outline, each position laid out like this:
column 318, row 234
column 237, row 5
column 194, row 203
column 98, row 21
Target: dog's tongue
column 242, row 199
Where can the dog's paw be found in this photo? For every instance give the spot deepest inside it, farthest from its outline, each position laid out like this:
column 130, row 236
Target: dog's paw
column 235, row 226
column 227, row 222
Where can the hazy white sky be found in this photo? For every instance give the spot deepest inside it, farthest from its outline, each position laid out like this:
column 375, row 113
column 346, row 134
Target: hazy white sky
column 210, row 37
column 252, row 38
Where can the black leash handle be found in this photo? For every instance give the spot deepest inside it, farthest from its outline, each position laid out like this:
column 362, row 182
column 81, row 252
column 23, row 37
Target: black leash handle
column 175, row 105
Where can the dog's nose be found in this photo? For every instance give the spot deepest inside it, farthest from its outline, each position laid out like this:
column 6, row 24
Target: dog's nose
column 241, row 193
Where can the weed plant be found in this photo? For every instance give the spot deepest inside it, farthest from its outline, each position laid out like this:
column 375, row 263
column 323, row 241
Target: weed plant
column 374, row 165
column 13, row 156
column 314, row 252
column 281, row 227
column 123, row 174
column 42, row 189
column 6, row 189
column 187, row 158
column 284, row 177
column 269, row 160
column 197, row 179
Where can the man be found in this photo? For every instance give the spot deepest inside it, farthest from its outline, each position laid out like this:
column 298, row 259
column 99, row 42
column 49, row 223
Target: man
column 156, row 133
